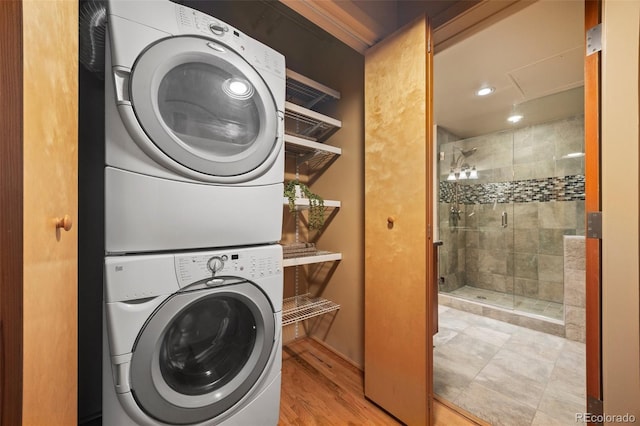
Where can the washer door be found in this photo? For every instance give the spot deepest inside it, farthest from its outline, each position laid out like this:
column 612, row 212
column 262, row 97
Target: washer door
column 201, row 352
column 204, row 107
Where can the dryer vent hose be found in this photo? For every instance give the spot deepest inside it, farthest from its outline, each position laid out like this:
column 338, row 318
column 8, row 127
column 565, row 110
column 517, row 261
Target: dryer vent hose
column 93, row 27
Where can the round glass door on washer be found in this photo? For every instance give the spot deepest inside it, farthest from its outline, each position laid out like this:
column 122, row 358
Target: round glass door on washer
column 208, row 353
column 201, row 352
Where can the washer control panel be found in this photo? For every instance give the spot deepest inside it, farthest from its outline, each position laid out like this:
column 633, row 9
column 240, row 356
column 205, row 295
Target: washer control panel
column 250, row 264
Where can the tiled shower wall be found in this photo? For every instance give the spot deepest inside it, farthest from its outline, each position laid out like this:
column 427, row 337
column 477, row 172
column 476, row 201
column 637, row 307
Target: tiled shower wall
column 524, row 174
column 575, row 288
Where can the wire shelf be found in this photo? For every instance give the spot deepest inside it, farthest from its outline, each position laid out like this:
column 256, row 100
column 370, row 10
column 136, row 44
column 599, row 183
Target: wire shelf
column 319, row 256
column 303, row 203
column 308, row 124
column 307, row 92
column 305, row 130
column 300, row 308
column 315, row 155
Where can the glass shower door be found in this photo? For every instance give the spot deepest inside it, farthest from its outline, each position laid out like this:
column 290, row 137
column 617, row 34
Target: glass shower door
column 508, row 201
column 475, row 212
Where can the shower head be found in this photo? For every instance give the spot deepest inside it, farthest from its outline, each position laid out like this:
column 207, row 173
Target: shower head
column 460, row 169
column 468, row 152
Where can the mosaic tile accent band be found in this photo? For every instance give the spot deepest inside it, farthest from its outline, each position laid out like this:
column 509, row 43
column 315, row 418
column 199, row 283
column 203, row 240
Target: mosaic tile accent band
column 566, row 188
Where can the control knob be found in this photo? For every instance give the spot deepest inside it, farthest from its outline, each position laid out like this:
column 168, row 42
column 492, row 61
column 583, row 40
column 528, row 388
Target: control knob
column 215, row 264
column 217, row 29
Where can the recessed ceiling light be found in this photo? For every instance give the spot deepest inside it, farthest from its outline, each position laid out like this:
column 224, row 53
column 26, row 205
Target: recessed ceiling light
column 485, row 91
column 514, row 118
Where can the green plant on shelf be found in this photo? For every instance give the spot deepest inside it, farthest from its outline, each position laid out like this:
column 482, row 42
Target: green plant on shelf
column 295, row 189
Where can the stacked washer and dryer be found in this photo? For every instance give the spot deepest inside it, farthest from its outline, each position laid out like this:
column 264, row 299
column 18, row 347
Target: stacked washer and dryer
column 194, row 174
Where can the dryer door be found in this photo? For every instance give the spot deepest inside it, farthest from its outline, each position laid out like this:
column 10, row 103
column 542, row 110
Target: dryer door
column 201, row 352
column 204, row 107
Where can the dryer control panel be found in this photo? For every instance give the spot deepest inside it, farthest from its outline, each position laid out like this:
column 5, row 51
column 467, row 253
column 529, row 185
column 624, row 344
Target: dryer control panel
column 191, row 21
column 250, row 264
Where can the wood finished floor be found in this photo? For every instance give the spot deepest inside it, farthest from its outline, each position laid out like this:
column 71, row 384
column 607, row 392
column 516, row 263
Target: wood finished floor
column 319, row 388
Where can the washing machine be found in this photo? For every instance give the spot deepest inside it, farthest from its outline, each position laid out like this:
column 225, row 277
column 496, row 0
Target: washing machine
column 194, row 128
column 193, row 338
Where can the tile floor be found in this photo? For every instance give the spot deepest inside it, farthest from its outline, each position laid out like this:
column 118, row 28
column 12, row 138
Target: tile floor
column 509, row 301
column 506, row 374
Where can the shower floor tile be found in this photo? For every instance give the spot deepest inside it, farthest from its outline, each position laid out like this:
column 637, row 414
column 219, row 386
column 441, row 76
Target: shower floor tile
column 509, row 301
column 507, row 374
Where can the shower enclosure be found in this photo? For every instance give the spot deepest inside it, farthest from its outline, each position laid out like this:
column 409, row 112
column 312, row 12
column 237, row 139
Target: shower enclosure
column 506, row 201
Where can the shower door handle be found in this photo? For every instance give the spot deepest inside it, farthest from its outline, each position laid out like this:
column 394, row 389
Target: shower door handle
column 504, row 219
column 435, row 288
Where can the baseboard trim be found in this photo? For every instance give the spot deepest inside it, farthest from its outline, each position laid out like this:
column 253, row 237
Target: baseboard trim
column 337, row 353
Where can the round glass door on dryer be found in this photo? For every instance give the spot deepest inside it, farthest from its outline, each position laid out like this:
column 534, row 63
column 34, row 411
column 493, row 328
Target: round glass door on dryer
column 201, row 110
column 194, row 113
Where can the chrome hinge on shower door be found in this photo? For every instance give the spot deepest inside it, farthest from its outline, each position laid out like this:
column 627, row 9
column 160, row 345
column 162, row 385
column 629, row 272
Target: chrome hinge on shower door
column 594, row 39
column 594, row 225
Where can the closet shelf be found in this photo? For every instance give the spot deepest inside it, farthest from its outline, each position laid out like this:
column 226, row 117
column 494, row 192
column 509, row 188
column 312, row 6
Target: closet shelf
column 308, row 124
column 305, row 130
column 315, row 154
column 300, row 308
column 317, row 257
column 303, row 203
column 303, row 90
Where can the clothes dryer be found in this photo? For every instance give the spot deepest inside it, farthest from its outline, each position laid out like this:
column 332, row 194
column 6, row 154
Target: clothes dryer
column 193, row 338
column 194, row 131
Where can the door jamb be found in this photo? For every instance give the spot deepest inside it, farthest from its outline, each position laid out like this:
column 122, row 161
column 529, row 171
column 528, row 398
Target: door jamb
column 593, row 17
column 593, row 204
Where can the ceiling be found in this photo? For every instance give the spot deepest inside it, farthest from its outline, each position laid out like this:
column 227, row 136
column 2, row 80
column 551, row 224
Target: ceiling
column 530, row 51
column 534, row 60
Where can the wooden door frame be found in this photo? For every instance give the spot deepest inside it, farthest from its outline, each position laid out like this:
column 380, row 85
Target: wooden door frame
column 592, row 204
column 432, row 246
column 11, row 213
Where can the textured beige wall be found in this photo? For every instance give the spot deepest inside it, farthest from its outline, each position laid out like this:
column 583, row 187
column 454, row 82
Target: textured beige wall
column 620, row 255
column 343, row 181
column 341, row 282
